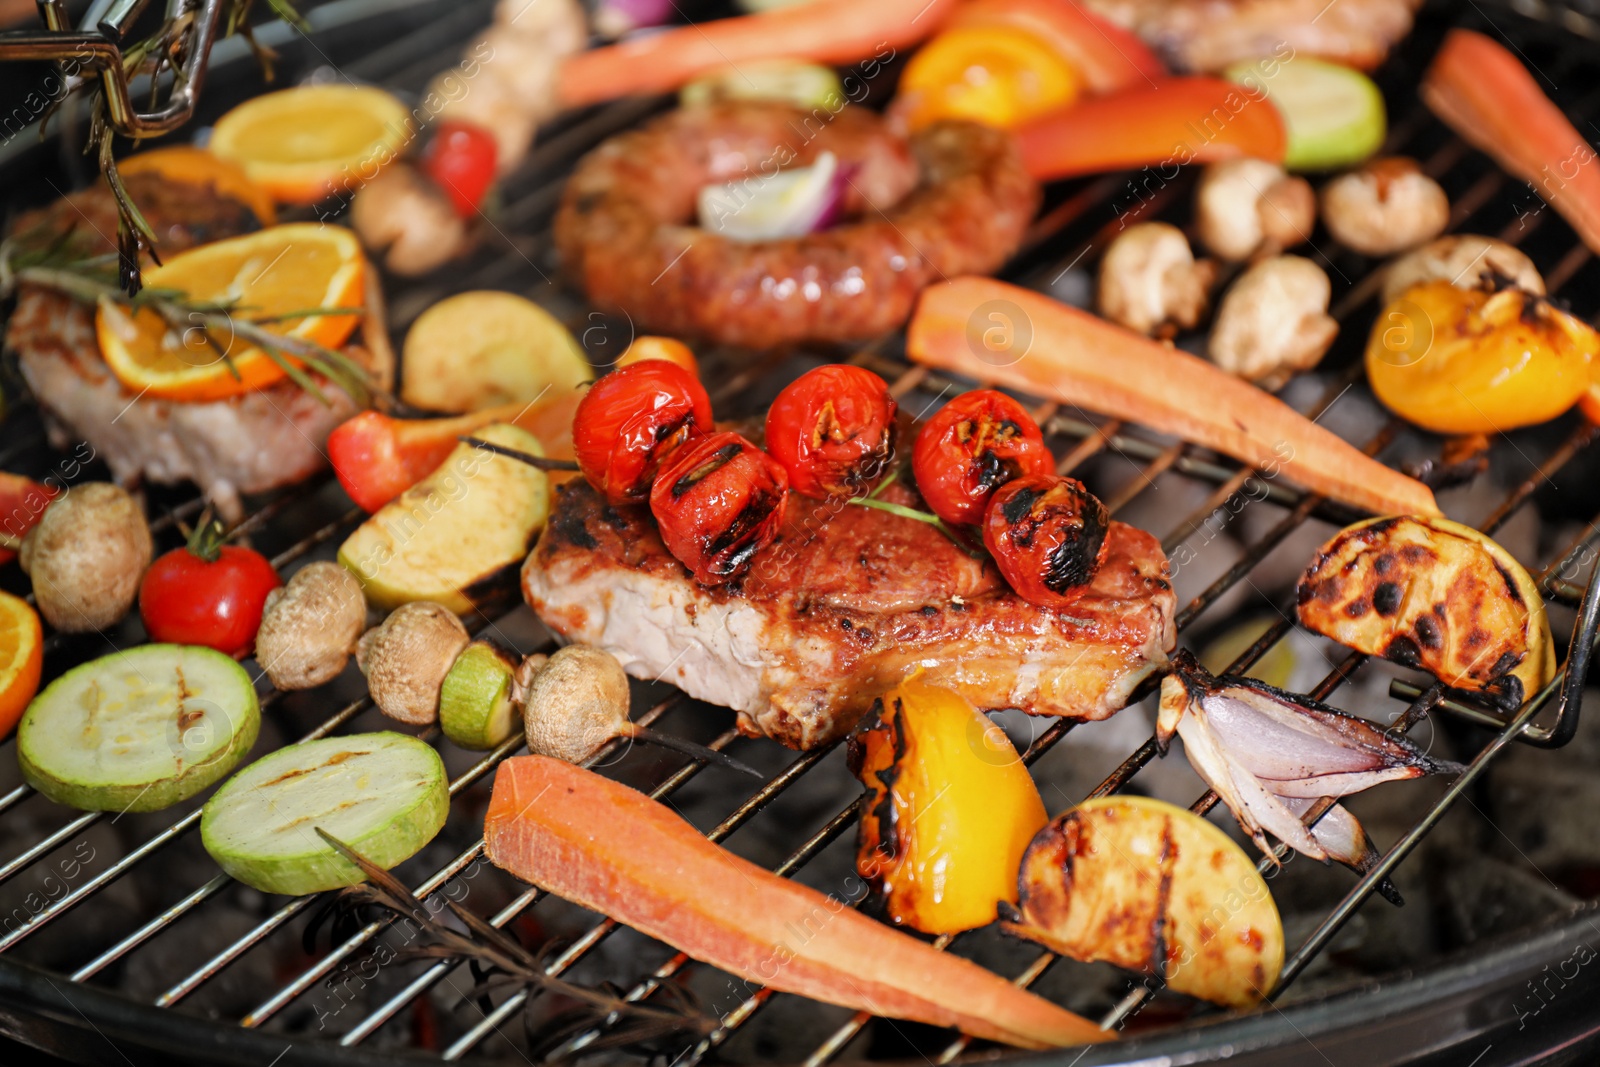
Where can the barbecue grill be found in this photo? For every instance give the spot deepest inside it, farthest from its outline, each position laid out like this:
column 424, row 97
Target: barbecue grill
column 118, row 941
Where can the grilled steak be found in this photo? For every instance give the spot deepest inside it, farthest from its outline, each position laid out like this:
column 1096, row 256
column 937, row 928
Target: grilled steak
column 249, row 444
column 843, row 605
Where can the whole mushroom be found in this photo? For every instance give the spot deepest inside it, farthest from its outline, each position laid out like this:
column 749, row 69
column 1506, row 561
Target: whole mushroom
column 1274, row 322
column 1385, row 206
column 402, row 218
column 1249, row 207
column 1150, row 281
column 309, row 627
column 1465, row 260
column 86, row 556
column 407, row 657
column 575, row 702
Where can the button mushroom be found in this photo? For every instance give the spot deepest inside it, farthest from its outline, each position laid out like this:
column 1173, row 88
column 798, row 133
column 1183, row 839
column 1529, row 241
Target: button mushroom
column 310, row 626
column 403, row 219
column 1151, row 283
column 1384, row 207
column 1246, row 207
column 407, row 657
column 86, row 557
column 577, row 700
column 1274, row 321
column 1466, row 260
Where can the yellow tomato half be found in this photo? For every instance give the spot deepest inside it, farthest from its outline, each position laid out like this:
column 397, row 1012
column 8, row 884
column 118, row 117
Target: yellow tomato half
column 1462, row 361
column 999, row 75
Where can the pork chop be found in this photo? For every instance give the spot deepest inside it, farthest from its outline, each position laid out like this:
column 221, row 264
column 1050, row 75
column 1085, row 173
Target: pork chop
column 262, row 440
column 1207, row 35
column 847, row 602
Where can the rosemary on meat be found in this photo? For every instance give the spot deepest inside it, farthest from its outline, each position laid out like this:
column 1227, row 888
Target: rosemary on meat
column 58, row 262
column 602, row 1018
column 161, row 53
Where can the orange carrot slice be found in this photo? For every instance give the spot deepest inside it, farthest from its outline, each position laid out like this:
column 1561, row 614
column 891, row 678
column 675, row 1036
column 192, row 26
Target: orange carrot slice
column 1174, row 122
column 1487, row 96
column 604, row 846
column 994, row 332
column 1107, row 57
column 832, row 32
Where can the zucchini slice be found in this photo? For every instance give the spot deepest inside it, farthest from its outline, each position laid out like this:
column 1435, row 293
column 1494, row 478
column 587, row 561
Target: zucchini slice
column 139, row 730
column 385, row 795
column 1335, row 116
column 476, row 709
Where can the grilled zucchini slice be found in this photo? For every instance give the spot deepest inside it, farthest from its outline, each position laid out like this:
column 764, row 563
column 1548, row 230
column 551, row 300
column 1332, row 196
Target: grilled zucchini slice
column 139, row 730
column 1436, row 596
column 385, row 795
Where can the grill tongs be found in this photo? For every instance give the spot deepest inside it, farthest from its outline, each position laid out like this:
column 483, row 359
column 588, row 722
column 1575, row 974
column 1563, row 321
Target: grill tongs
column 181, row 47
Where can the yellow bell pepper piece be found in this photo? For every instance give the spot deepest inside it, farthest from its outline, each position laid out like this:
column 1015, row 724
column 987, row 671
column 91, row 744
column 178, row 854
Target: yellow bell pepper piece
column 949, row 812
column 1461, row 361
column 998, row 75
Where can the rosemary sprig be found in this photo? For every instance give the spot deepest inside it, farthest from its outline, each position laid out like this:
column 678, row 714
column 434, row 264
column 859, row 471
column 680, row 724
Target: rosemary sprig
column 871, row 501
column 161, row 52
column 500, row 961
column 56, row 264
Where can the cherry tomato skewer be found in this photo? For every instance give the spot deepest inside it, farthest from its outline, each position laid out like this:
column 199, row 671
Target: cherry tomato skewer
column 718, row 501
column 833, row 429
column 1046, row 534
column 971, row 447
column 631, row 420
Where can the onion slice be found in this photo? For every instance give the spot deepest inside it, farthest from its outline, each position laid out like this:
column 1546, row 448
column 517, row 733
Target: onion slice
column 791, row 203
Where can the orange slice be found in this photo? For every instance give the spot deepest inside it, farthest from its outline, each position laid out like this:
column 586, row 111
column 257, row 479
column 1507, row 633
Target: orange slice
column 21, row 658
column 303, row 144
column 271, row 272
column 197, row 166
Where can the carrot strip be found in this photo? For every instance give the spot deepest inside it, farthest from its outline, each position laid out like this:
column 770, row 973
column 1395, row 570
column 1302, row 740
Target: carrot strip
column 1107, row 57
column 606, row 847
column 822, row 31
column 1176, row 121
column 1487, row 96
column 1076, row 358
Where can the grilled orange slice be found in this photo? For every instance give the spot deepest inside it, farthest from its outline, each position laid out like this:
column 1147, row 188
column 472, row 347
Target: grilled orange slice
column 304, row 143
column 267, row 273
column 21, row 657
column 197, row 166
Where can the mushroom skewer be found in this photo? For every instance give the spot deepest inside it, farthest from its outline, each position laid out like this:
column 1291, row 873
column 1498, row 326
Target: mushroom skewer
column 1269, row 755
column 577, row 700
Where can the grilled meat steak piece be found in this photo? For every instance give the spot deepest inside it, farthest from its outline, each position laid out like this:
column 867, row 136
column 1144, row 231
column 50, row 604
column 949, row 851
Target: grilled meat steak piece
column 1207, row 35
column 844, row 604
column 248, row 444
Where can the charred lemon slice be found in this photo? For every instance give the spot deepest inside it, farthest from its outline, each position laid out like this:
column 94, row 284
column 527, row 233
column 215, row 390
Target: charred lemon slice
column 1154, row 888
column 1434, row 595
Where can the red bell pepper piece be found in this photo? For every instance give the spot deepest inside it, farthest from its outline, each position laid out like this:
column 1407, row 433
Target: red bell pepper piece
column 1175, row 122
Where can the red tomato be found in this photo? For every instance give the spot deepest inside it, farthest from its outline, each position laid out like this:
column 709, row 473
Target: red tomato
column 833, row 430
column 719, row 501
column 975, row 444
column 461, row 161
column 22, row 504
column 207, row 594
column 1046, row 534
column 631, row 420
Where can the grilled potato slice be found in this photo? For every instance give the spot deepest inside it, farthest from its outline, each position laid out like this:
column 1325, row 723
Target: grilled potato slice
column 1436, row 596
column 1153, row 888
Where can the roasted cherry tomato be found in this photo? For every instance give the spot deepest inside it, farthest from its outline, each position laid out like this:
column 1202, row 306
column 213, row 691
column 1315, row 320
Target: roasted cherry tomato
column 631, row 420
column 833, row 430
column 719, row 500
column 207, row 593
column 461, row 161
column 1046, row 534
column 975, row 444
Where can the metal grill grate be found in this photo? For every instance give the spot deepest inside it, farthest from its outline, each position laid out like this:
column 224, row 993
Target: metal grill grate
column 1065, row 238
